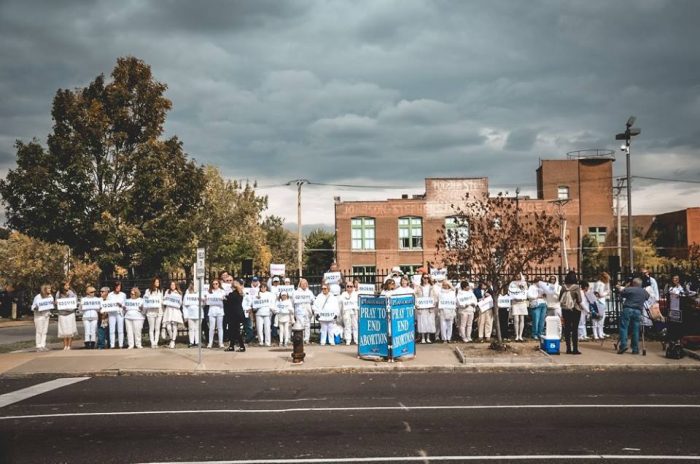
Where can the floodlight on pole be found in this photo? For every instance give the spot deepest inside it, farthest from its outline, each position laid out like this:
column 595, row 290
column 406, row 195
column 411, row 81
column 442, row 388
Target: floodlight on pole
column 627, row 136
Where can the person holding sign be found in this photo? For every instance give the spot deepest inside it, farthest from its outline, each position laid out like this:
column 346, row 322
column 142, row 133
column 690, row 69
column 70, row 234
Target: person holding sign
column 66, row 303
column 90, row 307
column 326, row 311
column 284, row 312
column 447, row 305
column 426, row 309
column 262, row 306
column 41, row 306
column 153, row 304
column 191, row 313
column 116, row 318
column 107, row 306
column 503, row 303
column 302, row 299
column 483, row 294
column 334, row 279
column 172, row 316
column 134, row 318
column 215, row 301
column 349, row 308
column 466, row 304
column 518, row 294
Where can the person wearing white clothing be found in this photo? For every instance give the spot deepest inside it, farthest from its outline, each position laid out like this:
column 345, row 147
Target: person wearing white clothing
column 262, row 306
column 601, row 290
column 551, row 291
column 133, row 318
column 349, row 308
column 153, row 305
column 172, row 315
column 41, row 306
column 447, row 307
column 518, row 310
column 116, row 318
column 191, row 314
column 215, row 301
column 326, row 311
column 303, row 299
column 466, row 307
column 652, row 283
column 586, row 298
column 426, row 318
column 284, row 312
column 89, row 308
column 66, row 303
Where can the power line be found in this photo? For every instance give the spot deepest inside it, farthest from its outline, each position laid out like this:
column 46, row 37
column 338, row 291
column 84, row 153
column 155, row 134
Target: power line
column 662, row 179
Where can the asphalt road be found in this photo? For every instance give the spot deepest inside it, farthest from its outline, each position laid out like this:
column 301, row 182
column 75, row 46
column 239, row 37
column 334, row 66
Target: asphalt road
column 538, row 417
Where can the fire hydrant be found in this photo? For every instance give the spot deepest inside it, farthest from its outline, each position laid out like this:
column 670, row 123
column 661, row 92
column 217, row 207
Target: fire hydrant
column 298, row 354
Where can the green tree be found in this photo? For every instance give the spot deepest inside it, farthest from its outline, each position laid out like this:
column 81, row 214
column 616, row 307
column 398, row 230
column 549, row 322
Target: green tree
column 108, row 185
column 592, row 256
column 501, row 241
column 318, row 252
column 281, row 242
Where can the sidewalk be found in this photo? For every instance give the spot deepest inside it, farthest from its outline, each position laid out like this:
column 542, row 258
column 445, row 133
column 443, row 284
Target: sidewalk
column 435, row 357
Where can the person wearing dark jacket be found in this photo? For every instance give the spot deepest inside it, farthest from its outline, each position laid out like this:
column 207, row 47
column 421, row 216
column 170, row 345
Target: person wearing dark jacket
column 233, row 309
column 570, row 299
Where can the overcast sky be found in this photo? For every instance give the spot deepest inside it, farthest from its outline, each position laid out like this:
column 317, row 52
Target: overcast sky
column 381, row 92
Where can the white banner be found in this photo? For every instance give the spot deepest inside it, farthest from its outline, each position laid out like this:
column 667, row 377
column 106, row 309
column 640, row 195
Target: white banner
column 416, row 279
column 434, row 273
column 277, row 269
column 504, row 301
column 152, row 302
column 67, row 304
column 366, row 289
column 91, row 303
column 447, row 302
column 288, row 289
column 109, row 306
column 261, row 302
column 173, row 300
column 133, row 304
column 466, row 299
column 425, row 302
column 486, row 304
column 302, row 298
column 332, row 278
column 191, row 300
column 45, row 304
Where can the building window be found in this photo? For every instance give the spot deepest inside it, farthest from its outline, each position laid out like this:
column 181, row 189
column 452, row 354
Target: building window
column 563, row 192
column 598, row 234
column 364, row 274
column 456, row 232
column 362, row 233
column 410, row 233
column 409, row 269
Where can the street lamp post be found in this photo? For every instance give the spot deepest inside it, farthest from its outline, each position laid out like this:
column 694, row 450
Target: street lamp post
column 627, row 136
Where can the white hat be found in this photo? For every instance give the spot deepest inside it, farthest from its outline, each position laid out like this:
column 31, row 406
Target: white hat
column 275, row 279
column 396, row 269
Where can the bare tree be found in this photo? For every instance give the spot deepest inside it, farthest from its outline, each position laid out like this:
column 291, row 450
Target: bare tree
column 491, row 237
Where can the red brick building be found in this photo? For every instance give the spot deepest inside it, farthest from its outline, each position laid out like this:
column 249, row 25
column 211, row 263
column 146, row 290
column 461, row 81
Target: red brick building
column 676, row 231
column 376, row 235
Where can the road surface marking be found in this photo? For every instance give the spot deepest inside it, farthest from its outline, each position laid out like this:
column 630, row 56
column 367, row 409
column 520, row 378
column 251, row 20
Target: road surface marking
column 19, row 395
column 544, row 457
column 358, row 408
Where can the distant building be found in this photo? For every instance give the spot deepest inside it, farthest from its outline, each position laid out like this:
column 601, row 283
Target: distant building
column 675, row 232
column 372, row 236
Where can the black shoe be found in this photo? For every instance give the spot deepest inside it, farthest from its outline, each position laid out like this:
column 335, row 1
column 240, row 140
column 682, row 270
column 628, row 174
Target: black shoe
column 569, row 352
column 241, row 349
column 621, row 350
column 576, row 352
column 230, row 348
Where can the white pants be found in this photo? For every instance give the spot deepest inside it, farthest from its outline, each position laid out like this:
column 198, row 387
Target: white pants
column 306, row 322
column 172, row 330
column 598, row 325
column 466, row 322
column 327, row 332
column 437, row 325
column 154, row 320
column 485, row 324
column 133, row 332
column 193, row 330
column 263, row 325
column 350, row 328
column 116, row 324
column 90, row 329
column 519, row 325
column 446, row 328
column 582, row 325
column 41, row 325
column 284, row 332
column 216, row 322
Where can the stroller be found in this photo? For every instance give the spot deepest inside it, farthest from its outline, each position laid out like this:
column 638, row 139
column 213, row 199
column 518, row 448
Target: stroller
column 683, row 327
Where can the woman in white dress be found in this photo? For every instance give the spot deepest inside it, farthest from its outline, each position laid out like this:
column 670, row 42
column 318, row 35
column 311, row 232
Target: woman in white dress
column 133, row 318
column 153, row 304
column 67, row 328
column 518, row 310
column 601, row 290
column 215, row 300
column 191, row 314
column 172, row 315
column 447, row 306
column 284, row 310
column 41, row 306
column 426, row 316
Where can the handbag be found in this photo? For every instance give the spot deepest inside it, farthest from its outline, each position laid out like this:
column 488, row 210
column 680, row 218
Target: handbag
column 593, row 308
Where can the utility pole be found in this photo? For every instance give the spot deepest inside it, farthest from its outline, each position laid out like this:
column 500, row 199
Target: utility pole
column 618, row 214
column 299, row 183
column 627, row 136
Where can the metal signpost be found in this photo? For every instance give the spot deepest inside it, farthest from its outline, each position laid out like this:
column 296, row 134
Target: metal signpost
column 200, row 277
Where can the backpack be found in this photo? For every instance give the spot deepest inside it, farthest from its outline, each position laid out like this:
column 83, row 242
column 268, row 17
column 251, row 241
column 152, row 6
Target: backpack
column 567, row 301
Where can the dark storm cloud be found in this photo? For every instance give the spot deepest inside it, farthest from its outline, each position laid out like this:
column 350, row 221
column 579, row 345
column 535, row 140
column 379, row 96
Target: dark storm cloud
column 385, row 91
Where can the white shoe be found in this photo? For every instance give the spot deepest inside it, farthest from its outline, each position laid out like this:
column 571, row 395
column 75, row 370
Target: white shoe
column 428, row 341
column 268, row 344
column 209, row 346
column 172, row 343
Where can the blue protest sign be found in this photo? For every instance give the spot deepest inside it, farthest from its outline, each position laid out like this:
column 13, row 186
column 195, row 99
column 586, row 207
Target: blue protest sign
column 403, row 326
column 372, row 329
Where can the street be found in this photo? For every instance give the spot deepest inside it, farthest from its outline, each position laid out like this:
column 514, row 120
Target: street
column 336, row 417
